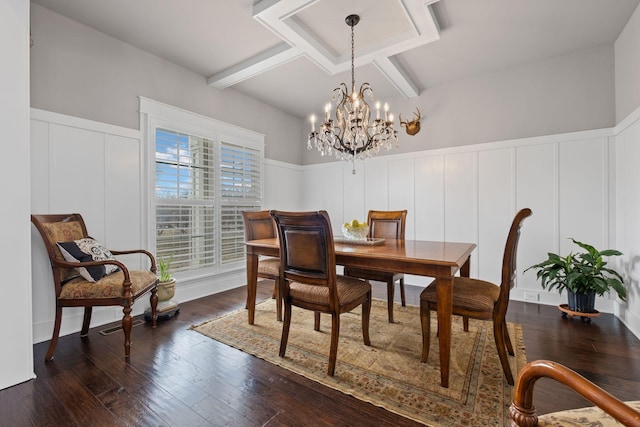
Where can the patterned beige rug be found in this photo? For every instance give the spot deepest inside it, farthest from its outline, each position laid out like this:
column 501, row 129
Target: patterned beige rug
column 389, row 373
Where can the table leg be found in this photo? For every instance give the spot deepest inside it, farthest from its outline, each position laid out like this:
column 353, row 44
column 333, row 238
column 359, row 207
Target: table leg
column 252, row 284
column 444, row 286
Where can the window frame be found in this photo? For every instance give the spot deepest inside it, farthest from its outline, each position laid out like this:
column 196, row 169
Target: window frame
column 155, row 115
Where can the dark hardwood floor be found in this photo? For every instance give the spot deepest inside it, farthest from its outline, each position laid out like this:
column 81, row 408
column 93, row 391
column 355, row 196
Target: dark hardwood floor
column 177, row 377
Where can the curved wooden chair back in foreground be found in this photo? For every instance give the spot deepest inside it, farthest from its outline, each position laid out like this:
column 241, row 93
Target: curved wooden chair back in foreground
column 308, row 265
column 479, row 299
column 387, row 225
column 523, row 413
column 259, row 225
column 106, row 287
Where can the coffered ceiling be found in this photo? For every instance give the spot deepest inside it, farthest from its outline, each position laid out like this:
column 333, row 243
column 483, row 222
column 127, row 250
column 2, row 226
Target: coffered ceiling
column 292, row 53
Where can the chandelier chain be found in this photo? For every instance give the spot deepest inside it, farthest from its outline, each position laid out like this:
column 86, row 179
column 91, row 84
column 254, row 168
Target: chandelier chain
column 353, row 56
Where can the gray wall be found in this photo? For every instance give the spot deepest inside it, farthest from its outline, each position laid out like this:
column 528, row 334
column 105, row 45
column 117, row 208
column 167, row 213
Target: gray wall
column 78, row 71
column 627, row 59
column 564, row 94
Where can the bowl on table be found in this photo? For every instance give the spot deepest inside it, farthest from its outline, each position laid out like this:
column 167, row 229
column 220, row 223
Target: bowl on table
column 357, row 232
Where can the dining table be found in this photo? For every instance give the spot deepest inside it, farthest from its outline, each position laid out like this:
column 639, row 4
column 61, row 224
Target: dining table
column 438, row 259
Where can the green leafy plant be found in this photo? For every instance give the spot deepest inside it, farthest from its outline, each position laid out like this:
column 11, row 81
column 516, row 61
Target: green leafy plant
column 580, row 273
column 165, row 273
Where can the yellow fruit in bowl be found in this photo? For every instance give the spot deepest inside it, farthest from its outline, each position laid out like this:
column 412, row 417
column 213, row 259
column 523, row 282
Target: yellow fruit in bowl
column 346, row 225
column 354, row 223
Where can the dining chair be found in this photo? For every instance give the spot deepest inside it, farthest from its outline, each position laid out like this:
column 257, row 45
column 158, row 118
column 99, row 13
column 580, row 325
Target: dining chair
column 86, row 274
column 388, row 225
column 259, row 225
column 308, row 264
column 479, row 299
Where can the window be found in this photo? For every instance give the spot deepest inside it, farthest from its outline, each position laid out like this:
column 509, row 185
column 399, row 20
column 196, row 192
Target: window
column 202, row 185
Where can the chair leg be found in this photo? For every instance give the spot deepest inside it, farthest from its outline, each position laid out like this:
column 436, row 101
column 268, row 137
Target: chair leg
column 425, row 322
column 86, row 321
column 333, row 350
column 153, row 300
column 366, row 315
column 278, row 300
column 54, row 336
column 507, row 339
column 285, row 329
column 465, row 323
column 127, row 324
column 498, row 335
column 390, row 294
column 403, row 299
column 316, row 320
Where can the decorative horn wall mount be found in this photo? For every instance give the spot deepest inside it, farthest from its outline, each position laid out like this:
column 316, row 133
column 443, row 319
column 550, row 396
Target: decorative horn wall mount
column 412, row 127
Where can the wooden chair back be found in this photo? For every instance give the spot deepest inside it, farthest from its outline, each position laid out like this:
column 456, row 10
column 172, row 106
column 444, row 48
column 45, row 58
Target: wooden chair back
column 258, row 225
column 307, row 252
column 59, row 228
column 509, row 260
column 387, row 224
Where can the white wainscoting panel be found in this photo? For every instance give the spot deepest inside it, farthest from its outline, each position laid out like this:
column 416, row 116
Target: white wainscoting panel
column 461, row 200
column 283, row 184
column 496, row 204
column 429, row 198
column 354, row 199
column 584, row 188
column 536, row 188
column 123, row 197
column 627, row 209
column 376, row 188
column 402, row 194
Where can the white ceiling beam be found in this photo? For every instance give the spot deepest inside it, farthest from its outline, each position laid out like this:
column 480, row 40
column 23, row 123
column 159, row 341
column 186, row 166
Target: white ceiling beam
column 279, row 17
column 392, row 70
column 258, row 64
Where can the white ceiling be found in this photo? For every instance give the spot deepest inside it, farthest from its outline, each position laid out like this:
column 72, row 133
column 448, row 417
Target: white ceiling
column 292, row 53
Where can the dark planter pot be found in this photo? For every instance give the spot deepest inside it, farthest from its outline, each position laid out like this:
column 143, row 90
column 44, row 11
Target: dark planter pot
column 583, row 303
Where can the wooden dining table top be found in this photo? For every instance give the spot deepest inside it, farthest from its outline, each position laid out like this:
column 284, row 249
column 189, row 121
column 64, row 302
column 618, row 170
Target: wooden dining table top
column 407, row 256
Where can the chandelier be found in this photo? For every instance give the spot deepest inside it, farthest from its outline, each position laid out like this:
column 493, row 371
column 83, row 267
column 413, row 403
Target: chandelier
column 350, row 135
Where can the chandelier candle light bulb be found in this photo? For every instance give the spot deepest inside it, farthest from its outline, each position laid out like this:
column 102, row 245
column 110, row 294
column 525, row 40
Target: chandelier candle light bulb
column 352, row 136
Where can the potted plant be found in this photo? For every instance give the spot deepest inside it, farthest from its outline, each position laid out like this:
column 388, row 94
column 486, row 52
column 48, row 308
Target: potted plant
column 584, row 275
column 166, row 289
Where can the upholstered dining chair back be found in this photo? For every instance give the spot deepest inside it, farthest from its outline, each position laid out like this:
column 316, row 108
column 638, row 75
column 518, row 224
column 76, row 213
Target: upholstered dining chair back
column 307, row 249
column 387, row 224
column 309, row 279
column 259, row 225
column 89, row 275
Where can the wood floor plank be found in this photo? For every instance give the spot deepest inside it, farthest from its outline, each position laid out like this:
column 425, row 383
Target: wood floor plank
column 176, row 376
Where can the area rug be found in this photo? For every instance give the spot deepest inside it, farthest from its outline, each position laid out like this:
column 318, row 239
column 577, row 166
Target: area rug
column 389, row 373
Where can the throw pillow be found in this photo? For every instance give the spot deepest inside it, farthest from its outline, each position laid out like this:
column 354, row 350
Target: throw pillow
column 88, row 249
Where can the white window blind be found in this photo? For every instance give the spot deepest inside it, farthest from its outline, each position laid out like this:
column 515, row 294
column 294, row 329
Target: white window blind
column 240, row 189
column 201, row 188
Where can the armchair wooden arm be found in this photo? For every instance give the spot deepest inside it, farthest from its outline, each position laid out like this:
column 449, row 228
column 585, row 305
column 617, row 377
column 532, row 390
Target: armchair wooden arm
column 152, row 259
column 523, row 413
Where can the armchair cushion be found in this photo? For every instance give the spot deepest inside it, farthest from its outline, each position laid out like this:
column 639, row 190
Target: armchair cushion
column 587, row 417
column 108, row 287
column 88, row 249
